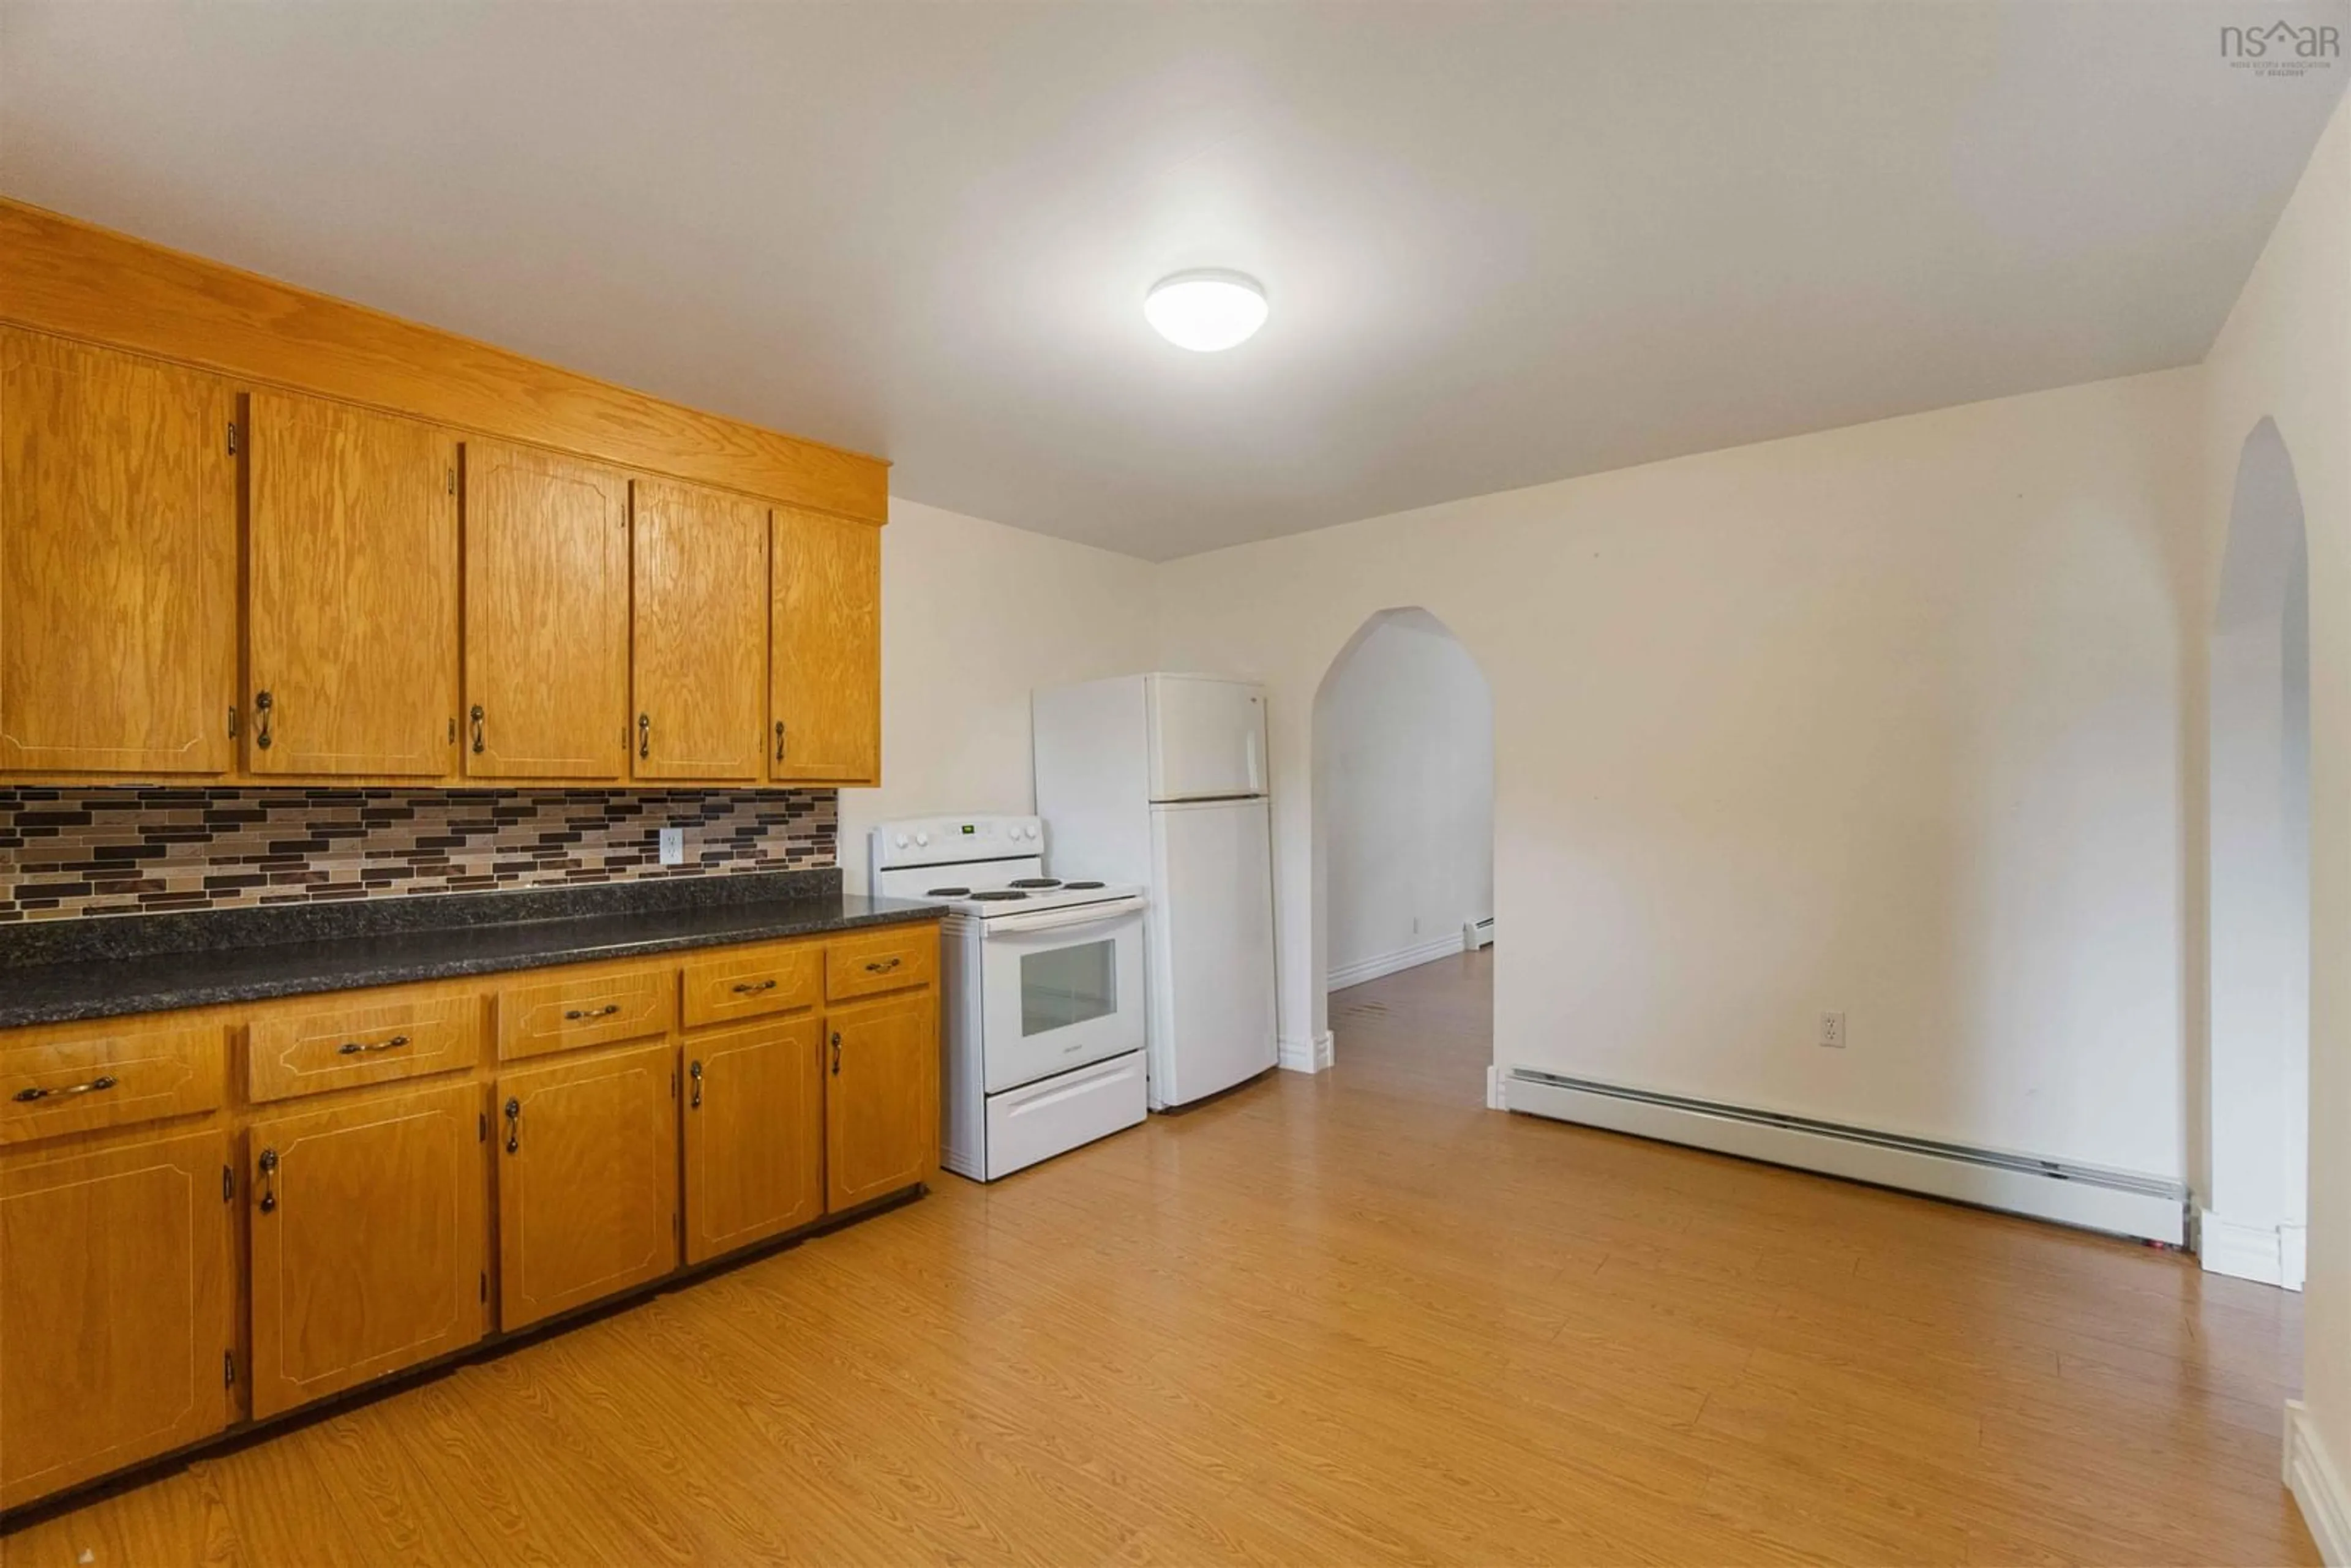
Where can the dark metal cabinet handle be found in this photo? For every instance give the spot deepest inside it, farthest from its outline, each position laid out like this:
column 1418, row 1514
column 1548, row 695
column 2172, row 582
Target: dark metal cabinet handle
column 514, row 1126
column 477, row 728
column 695, row 1072
column 882, row 966
column 644, row 735
column 780, row 740
column 748, row 989
column 353, row 1048
column 836, row 1053
column 104, row 1080
column 265, row 709
column 577, row 1015
column 268, row 1181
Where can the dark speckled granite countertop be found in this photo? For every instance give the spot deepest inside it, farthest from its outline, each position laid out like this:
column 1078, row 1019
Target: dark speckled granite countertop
column 108, row 967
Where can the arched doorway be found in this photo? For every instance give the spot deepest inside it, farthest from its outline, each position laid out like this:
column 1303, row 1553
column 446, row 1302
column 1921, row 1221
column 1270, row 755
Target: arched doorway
column 2259, row 1053
column 1404, row 828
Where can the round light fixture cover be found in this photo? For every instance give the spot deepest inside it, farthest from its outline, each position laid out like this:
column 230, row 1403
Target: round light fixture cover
column 1206, row 311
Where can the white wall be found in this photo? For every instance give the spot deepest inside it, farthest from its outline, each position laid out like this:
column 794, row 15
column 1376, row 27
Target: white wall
column 1404, row 738
column 1887, row 719
column 974, row 615
column 2285, row 354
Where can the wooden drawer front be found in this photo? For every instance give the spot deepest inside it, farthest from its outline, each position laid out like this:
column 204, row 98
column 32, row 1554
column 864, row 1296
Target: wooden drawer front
column 886, row 960
column 754, row 983
column 73, row 1081
column 387, row 1037
column 564, row 1015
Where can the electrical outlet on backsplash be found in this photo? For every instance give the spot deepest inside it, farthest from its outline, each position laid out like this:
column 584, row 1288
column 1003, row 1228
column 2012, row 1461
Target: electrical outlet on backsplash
column 72, row 851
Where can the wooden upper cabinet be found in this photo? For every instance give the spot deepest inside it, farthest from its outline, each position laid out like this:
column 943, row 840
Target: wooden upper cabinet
column 351, row 592
column 586, row 1179
column 547, row 616
column 368, row 1240
column 825, row 651
column 881, row 1098
column 754, row 1133
column 699, row 627
column 118, row 562
column 114, row 1289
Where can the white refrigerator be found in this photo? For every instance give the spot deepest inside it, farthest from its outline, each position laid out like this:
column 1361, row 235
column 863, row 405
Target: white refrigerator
column 1161, row 779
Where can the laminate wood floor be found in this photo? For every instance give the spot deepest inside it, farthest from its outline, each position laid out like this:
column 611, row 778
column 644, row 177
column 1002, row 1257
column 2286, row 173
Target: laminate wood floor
column 1349, row 1319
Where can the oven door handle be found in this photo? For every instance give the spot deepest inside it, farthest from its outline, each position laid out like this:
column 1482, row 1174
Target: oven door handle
column 1060, row 919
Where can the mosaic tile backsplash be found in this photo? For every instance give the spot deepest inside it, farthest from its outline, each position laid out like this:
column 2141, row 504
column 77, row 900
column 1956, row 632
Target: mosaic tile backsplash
column 66, row 852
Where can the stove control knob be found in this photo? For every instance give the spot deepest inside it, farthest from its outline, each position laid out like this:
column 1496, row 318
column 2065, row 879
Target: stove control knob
column 923, row 838
column 902, row 840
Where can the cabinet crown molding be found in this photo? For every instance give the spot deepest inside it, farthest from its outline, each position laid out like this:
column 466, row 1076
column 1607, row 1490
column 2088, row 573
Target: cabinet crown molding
column 62, row 275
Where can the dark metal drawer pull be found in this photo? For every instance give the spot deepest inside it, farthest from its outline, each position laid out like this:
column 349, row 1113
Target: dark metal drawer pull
column 696, row 1071
column 104, row 1080
column 514, row 1126
column 268, row 1181
column 747, row 990
column 882, row 966
column 265, row 713
column 578, row 1014
column 353, row 1048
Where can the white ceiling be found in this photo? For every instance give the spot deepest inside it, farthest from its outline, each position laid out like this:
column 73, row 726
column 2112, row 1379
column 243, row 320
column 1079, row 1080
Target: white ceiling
column 1504, row 243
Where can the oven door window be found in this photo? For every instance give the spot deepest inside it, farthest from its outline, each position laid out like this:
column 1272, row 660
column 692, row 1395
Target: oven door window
column 1063, row 986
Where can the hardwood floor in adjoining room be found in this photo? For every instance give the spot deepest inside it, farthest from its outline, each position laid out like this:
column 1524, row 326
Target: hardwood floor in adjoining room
column 1343, row 1319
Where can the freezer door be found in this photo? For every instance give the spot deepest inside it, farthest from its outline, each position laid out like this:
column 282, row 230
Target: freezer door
column 1207, row 738
column 1211, row 922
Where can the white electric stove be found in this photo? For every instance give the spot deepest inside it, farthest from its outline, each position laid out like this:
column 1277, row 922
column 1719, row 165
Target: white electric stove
column 1042, row 991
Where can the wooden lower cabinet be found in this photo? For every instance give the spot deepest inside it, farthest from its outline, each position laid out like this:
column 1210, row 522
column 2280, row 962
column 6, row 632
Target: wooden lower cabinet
column 368, row 1240
column 754, row 1133
column 235, row 1191
column 881, row 1098
column 114, row 1308
column 586, row 1179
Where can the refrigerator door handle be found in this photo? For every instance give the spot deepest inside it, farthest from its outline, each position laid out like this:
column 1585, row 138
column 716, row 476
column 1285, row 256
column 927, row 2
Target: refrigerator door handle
column 1256, row 768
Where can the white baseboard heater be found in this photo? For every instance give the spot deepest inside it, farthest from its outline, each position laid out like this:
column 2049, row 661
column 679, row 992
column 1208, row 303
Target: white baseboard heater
column 2122, row 1203
column 1477, row 934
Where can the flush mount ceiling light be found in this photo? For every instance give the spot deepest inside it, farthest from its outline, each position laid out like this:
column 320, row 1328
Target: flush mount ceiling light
column 1206, row 311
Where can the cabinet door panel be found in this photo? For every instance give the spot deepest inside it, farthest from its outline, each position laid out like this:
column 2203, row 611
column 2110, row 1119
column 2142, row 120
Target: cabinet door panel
column 547, row 615
column 114, row 1288
column 825, row 637
column 754, row 1133
column 353, row 593
column 881, row 1098
column 587, row 1180
column 118, row 562
column 368, row 1240
column 698, row 627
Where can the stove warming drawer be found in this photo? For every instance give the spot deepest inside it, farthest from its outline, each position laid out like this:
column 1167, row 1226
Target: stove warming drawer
column 1052, row 1115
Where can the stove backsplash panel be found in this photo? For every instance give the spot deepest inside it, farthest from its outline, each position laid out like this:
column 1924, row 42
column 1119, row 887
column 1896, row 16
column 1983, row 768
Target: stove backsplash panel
column 71, row 852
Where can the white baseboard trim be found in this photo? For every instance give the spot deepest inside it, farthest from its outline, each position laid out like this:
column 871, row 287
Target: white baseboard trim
column 2244, row 1252
column 2124, row 1203
column 1496, row 1099
column 1355, row 974
column 2318, row 1487
column 1308, row 1055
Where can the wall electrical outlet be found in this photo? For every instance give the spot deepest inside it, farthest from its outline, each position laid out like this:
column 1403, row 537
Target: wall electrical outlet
column 673, row 852
column 1832, row 1030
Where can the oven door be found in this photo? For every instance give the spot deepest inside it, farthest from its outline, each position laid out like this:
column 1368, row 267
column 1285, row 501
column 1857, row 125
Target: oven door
column 1062, row 987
